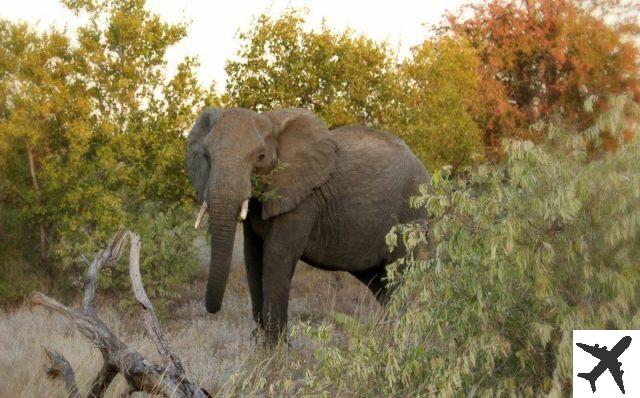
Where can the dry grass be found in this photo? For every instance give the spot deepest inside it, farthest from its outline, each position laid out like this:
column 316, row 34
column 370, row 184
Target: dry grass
column 217, row 350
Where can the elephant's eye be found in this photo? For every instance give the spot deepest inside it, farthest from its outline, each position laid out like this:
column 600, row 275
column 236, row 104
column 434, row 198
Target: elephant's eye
column 261, row 157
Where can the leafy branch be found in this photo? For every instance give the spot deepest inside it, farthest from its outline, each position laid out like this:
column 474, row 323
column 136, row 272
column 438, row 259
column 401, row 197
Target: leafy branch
column 260, row 184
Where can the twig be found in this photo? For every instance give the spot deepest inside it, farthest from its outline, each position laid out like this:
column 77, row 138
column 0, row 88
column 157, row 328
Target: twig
column 105, row 257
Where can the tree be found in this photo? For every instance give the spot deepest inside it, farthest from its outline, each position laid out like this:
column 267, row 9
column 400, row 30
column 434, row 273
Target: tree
column 540, row 57
column 91, row 133
column 347, row 79
column 343, row 77
column 439, row 92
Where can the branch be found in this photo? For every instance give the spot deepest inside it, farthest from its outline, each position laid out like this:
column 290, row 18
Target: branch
column 36, row 187
column 106, row 257
column 32, row 168
column 60, row 368
column 149, row 317
column 90, row 326
column 141, row 375
column 102, row 380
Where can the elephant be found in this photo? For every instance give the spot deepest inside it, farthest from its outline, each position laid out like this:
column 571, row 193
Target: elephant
column 332, row 198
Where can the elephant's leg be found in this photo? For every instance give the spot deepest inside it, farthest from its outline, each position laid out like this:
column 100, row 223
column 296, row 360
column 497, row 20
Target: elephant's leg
column 283, row 246
column 253, row 263
column 374, row 279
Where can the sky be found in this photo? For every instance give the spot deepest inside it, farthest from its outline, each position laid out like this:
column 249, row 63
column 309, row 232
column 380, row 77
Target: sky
column 213, row 25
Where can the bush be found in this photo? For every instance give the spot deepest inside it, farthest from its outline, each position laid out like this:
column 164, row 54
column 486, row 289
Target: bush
column 168, row 257
column 16, row 281
column 522, row 253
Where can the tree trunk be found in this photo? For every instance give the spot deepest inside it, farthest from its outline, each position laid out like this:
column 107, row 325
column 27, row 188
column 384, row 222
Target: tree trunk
column 41, row 228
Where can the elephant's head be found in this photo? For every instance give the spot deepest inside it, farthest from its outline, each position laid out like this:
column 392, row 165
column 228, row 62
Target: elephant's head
column 224, row 149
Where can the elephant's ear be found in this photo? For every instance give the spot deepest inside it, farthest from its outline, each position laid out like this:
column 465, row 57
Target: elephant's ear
column 306, row 158
column 196, row 157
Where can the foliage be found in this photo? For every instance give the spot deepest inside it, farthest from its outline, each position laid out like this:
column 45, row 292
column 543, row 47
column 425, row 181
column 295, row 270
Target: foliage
column 439, row 87
column 90, row 131
column 350, row 79
column 544, row 56
column 16, row 281
column 260, row 182
column 343, row 77
column 556, row 241
column 168, row 256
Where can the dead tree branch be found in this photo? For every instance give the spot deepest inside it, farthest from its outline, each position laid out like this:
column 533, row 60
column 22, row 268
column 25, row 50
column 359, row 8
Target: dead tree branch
column 61, row 369
column 141, row 375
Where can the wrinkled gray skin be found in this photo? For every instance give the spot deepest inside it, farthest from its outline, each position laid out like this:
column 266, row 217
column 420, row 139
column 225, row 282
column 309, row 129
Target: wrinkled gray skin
column 337, row 194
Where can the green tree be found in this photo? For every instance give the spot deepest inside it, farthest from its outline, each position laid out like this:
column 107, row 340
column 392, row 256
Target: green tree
column 347, row 78
column 438, row 94
column 92, row 131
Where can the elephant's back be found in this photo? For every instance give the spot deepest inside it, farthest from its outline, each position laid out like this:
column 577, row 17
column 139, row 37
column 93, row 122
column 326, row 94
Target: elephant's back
column 361, row 138
column 376, row 174
column 382, row 155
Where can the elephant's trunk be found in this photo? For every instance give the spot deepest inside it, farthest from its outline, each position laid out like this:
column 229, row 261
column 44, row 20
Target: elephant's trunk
column 223, row 217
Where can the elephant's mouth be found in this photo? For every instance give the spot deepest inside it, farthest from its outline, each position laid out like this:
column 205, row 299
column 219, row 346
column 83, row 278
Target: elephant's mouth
column 242, row 213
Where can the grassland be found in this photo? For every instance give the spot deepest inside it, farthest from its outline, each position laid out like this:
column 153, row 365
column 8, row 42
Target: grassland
column 217, row 350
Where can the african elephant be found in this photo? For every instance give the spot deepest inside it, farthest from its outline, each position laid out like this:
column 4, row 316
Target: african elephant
column 334, row 195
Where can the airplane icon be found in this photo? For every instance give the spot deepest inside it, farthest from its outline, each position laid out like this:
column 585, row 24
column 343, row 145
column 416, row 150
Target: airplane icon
column 608, row 361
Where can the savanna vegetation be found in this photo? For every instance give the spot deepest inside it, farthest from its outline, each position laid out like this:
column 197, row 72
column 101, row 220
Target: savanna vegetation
column 526, row 112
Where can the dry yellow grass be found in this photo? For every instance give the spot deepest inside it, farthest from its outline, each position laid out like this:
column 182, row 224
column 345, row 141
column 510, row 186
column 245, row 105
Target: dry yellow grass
column 217, row 350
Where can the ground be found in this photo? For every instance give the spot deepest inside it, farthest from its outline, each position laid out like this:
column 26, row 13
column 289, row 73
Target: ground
column 215, row 349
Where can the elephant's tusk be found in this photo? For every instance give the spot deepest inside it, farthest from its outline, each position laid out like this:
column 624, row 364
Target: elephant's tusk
column 203, row 210
column 244, row 209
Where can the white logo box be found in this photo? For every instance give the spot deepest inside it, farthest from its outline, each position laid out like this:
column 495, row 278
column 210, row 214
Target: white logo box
column 622, row 352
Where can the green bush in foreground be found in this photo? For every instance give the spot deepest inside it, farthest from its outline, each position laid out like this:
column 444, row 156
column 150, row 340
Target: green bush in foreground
column 522, row 253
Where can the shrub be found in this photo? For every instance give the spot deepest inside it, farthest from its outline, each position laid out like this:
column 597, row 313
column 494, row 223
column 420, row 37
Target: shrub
column 522, row 253
column 168, row 257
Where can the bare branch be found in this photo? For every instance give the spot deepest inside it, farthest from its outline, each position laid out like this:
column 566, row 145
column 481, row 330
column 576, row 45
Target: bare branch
column 102, row 380
column 90, row 326
column 36, row 187
column 150, row 319
column 105, row 257
column 141, row 375
column 61, row 369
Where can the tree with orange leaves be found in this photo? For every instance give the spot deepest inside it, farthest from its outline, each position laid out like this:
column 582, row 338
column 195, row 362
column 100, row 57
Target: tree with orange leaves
column 541, row 57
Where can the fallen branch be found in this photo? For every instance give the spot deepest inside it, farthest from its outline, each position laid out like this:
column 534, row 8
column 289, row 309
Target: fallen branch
column 141, row 375
column 61, row 369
